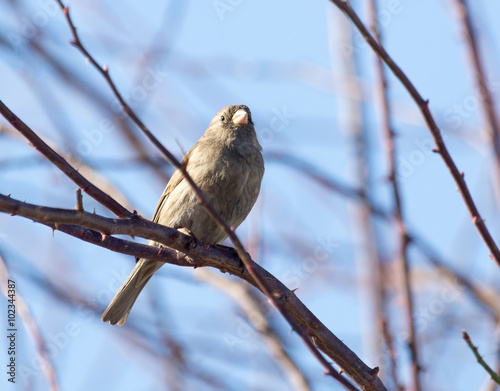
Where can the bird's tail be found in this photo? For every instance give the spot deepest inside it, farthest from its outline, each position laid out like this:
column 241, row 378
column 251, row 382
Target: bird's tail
column 119, row 308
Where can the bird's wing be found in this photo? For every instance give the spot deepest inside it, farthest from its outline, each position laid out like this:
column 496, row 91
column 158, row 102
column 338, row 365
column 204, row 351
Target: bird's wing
column 174, row 181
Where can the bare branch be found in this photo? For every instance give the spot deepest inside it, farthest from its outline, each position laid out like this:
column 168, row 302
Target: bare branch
column 368, row 252
column 389, row 340
column 494, row 376
column 423, row 105
column 132, row 226
column 402, row 255
column 202, row 255
column 488, row 104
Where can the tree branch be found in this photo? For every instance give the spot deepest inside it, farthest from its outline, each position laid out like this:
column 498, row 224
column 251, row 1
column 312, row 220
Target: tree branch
column 491, row 372
column 488, row 104
column 367, row 250
column 97, row 229
column 402, row 255
column 423, row 105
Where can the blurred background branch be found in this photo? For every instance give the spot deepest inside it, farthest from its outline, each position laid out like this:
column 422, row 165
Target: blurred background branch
column 401, row 259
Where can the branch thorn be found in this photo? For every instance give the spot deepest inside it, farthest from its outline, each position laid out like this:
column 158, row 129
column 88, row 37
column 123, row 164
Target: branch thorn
column 79, row 200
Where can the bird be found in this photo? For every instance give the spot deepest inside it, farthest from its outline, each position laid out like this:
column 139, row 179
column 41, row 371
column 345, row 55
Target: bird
column 226, row 163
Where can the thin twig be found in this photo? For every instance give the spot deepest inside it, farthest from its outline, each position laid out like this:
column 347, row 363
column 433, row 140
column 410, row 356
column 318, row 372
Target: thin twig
column 423, row 105
column 389, row 340
column 402, row 256
column 494, row 376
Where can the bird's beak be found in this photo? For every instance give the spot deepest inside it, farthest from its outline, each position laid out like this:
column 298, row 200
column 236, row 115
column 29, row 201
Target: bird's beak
column 240, row 117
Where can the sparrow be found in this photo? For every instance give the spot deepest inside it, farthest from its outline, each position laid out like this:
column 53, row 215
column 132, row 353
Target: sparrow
column 227, row 165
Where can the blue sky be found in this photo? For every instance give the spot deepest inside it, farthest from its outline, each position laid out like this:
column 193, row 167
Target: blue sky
column 286, row 61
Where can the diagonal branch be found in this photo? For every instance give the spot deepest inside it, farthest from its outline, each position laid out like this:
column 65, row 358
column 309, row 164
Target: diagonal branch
column 423, row 105
column 89, row 227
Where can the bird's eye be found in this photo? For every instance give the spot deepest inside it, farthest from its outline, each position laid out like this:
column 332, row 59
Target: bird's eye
column 222, row 118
